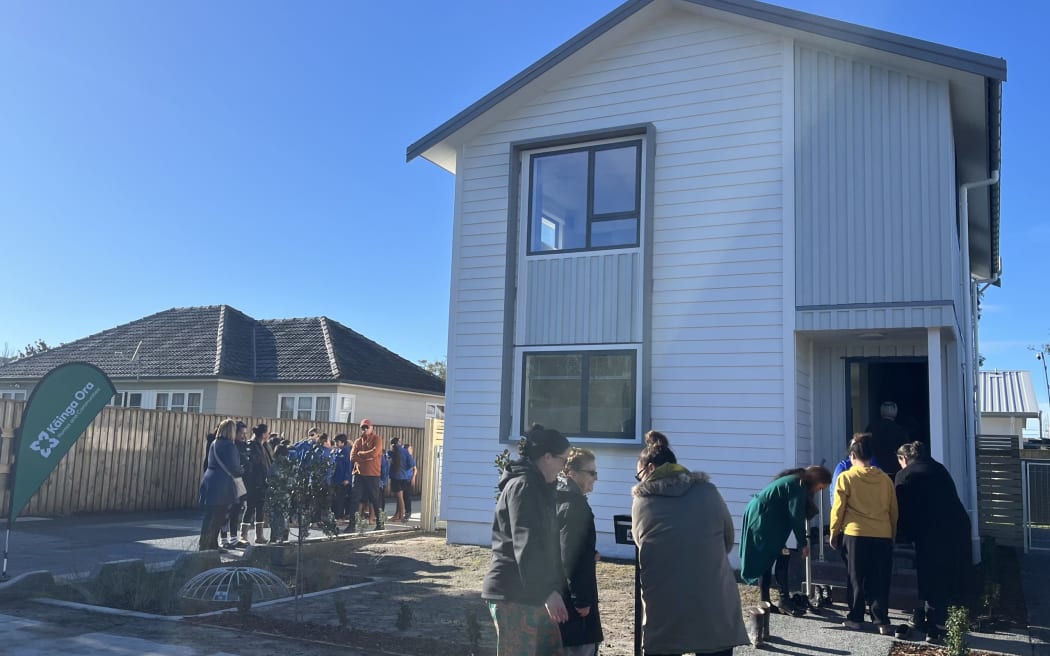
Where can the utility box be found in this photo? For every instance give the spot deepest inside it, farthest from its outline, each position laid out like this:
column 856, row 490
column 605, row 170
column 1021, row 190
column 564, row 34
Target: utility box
column 622, row 529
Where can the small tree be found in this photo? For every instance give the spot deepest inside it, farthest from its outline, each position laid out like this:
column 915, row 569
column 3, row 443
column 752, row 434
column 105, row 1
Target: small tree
column 39, row 346
column 436, row 367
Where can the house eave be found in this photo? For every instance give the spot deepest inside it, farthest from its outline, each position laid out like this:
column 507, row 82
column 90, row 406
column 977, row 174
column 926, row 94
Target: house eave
column 437, row 146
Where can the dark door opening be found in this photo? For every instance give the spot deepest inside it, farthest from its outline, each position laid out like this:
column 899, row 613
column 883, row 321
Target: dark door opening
column 871, row 381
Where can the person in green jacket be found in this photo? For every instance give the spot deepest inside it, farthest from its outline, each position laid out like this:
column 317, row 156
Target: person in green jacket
column 771, row 516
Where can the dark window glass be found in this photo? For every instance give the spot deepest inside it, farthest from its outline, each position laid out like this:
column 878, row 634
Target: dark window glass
column 581, row 393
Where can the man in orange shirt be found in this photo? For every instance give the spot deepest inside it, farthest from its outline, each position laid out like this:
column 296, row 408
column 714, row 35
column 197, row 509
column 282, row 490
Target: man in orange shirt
column 367, row 458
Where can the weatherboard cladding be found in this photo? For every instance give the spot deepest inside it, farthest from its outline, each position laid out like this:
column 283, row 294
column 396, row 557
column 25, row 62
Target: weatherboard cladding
column 874, row 179
column 713, row 92
column 991, row 67
column 186, row 342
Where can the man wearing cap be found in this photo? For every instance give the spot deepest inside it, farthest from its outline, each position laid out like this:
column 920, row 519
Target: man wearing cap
column 366, row 456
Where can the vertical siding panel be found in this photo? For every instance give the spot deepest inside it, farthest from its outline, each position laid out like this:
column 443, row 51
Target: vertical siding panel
column 873, row 184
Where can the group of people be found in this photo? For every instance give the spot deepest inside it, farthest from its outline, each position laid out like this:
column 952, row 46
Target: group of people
column 247, row 483
column 870, row 512
column 541, row 586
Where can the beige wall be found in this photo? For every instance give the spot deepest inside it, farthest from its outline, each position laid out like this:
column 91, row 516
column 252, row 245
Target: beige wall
column 390, row 407
column 233, row 398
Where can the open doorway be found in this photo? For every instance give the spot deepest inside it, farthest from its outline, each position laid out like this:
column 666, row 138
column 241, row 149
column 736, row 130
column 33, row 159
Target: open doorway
column 905, row 381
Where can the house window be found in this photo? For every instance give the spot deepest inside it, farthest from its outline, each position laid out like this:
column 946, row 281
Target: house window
column 12, row 395
column 435, row 411
column 129, row 400
column 179, row 401
column 585, row 198
column 581, row 393
column 310, row 407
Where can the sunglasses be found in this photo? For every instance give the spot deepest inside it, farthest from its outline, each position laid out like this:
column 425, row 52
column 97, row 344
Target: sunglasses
column 638, row 475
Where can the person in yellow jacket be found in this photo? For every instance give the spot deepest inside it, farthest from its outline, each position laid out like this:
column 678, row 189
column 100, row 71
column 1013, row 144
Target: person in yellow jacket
column 864, row 524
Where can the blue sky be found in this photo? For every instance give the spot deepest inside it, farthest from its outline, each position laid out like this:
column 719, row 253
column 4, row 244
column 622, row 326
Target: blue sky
column 155, row 155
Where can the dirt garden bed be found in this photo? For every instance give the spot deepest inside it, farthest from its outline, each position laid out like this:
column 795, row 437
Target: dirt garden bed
column 414, row 594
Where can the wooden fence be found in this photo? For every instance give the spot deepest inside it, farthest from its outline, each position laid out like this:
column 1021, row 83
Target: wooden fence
column 133, row 459
column 999, row 494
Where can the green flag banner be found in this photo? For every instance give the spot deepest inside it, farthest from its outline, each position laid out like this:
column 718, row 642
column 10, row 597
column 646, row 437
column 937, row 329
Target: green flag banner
column 59, row 410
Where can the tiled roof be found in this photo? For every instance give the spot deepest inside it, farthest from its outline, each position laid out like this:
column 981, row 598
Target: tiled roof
column 1008, row 393
column 220, row 341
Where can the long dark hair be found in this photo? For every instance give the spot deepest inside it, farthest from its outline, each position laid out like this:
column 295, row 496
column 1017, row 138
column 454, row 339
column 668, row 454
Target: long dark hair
column 812, row 476
column 395, row 456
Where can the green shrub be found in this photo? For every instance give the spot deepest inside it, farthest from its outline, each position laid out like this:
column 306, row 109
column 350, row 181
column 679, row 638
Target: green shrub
column 958, row 626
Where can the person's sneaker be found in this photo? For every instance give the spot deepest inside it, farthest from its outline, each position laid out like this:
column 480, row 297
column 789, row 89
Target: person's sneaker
column 902, row 631
column 885, row 629
column 851, row 625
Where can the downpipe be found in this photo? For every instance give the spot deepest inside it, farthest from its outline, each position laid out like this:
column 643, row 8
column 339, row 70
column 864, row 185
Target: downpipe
column 973, row 428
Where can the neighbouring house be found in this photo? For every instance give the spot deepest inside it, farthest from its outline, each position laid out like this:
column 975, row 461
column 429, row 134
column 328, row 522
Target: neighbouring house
column 1008, row 401
column 216, row 359
column 743, row 225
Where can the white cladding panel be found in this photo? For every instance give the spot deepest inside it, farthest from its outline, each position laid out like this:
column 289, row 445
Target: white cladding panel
column 874, row 184
column 714, row 93
column 582, row 299
column 804, row 402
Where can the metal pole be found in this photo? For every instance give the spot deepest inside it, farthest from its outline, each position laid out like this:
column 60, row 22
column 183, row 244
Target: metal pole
column 7, row 543
column 637, row 604
column 1041, row 357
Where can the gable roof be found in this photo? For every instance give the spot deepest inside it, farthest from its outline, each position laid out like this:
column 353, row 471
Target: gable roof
column 219, row 341
column 964, row 60
column 984, row 217
column 1008, row 393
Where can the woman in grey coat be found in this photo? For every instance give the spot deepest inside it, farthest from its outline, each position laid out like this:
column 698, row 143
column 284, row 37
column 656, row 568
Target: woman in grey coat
column 684, row 534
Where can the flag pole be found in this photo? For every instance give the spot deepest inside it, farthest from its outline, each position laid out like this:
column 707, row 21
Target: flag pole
column 10, row 507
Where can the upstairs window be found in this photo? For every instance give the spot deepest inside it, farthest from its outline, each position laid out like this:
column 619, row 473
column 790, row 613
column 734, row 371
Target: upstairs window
column 585, row 198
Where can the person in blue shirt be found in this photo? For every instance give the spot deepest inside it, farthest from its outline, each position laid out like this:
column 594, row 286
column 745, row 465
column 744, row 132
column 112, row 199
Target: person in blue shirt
column 403, row 469
column 342, row 476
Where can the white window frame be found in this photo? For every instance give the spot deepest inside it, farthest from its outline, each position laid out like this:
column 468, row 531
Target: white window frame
column 184, row 407
column 435, row 410
column 313, row 406
column 126, row 394
column 519, row 382
column 347, row 408
column 10, row 394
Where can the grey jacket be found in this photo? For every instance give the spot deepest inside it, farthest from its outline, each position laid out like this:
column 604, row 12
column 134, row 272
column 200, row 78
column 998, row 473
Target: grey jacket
column 684, row 533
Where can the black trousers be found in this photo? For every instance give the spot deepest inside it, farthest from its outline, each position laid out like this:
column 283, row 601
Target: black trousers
column 211, row 524
column 236, row 514
column 254, row 505
column 404, row 486
column 779, row 570
column 870, row 565
column 341, row 501
column 365, row 488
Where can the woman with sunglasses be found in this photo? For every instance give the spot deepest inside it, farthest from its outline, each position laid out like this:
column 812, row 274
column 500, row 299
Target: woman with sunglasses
column 693, row 608
column 582, row 633
column 524, row 583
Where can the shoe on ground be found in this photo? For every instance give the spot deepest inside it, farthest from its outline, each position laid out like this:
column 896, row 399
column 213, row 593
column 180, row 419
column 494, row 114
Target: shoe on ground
column 851, row 625
column 902, row 631
column 933, row 638
column 885, row 629
column 239, row 544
